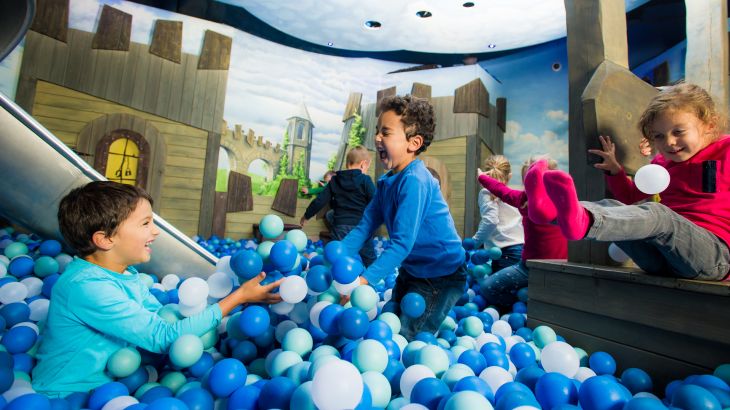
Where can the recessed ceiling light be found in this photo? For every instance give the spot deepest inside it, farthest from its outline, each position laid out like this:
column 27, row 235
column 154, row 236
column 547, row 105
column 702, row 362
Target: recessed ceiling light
column 373, row 25
column 468, row 4
column 330, row 43
column 424, row 14
column 492, row 45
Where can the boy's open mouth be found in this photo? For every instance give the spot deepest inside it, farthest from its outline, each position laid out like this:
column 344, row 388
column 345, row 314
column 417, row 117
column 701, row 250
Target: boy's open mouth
column 382, row 154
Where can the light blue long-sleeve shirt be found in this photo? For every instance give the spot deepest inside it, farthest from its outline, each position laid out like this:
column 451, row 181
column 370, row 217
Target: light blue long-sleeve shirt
column 93, row 313
column 423, row 237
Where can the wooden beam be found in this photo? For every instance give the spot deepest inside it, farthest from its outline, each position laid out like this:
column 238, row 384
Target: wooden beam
column 167, row 40
column 114, row 30
column 216, row 53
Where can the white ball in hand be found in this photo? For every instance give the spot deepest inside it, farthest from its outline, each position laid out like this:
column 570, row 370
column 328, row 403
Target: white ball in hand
column 652, row 179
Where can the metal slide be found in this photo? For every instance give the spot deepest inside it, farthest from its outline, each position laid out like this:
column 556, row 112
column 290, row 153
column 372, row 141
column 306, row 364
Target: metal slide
column 37, row 170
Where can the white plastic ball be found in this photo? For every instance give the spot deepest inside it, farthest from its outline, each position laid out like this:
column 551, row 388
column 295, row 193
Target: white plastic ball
column 652, row 179
column 293, row 289
column 412, row 375
column 560, row 357
column 617, row 254
column 219, row 285
column 12, row 292
column 337, row 385
column 193, row 292
column 170, row 281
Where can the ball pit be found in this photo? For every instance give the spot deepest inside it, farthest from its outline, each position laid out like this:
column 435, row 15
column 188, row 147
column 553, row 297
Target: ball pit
column 311, row 352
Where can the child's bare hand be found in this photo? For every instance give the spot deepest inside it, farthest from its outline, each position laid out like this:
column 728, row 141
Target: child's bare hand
column 254, row 292
column 303, row 222
column 480, row 172
column 645, row 147
column 305, row 190
column 608, row 153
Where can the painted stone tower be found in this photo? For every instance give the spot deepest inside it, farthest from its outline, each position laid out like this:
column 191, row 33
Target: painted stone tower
column 300, row 131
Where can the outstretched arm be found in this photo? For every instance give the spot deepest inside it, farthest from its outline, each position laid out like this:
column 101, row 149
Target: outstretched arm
column 497, row 188
column 622, row 188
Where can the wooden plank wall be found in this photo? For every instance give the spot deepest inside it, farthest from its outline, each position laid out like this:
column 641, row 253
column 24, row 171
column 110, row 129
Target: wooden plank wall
column 240, row 224
column 451, row 153
column 66, row 112
column 133, row 78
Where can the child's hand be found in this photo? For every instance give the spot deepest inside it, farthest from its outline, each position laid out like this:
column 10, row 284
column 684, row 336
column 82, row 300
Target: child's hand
column 480, row 172
column 303, row 222
column 253, row 292
column 645, row 147
column 345, row 298
column 608, row 153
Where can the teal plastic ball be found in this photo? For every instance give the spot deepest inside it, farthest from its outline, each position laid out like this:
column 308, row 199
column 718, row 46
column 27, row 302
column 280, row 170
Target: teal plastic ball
column 124, row 362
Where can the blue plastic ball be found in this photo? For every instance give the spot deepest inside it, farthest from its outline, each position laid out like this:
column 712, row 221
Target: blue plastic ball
column 135, row 380
column 429, row 392
column 413, row 305
column 19, row 339
column 197, row 398
column 474, row 360
column 529, row 375
column 14, row 313
column 333, row 251
column 50, row 247
column 553, row 389
column 253, row 321
column 379, row 330
column 636, row 380
column 602, row 363
column 346, row 269
column 328, row 318
column 21, row 266
column 474, row 383
column 522, row 355
column 167, row 403
column 283, row 255
column 353, row 323
column 226, row 376
column 245, row 397
column 602, row 393
column 319, row 278
column 693, row 397
column 7, row 377
column 276, row 393
column 494, row 253
column 102, row 394
column 246, row 264
column 155, row 393
column 33, row 401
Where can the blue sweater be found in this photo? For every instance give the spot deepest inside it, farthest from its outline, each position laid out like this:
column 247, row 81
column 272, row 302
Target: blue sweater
column 93, row 313
column 422, row 232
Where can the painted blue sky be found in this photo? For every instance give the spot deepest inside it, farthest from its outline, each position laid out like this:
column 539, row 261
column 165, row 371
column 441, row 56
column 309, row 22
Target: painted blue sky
column 267, row 82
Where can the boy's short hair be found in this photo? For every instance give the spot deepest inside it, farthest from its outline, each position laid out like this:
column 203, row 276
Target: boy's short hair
column 96, row 206
column 552, row 164
column 416, row 116
column 357, row 155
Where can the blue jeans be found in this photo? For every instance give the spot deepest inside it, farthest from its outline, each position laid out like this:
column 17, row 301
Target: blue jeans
column 659, row 240
column 510, row 255
column 500, row 288
column 441, row 294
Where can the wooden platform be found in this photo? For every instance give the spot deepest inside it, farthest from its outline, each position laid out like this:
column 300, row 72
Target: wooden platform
column 669, row 327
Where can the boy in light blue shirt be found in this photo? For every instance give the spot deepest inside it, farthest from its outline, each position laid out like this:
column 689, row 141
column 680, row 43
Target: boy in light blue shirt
column 100, row 304
column 408, row 199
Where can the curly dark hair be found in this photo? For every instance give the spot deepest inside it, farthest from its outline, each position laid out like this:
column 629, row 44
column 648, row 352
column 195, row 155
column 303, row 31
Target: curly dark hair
column 96, row 206
column 416, row 116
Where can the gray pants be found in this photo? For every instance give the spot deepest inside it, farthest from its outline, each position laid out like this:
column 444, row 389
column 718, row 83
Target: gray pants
column 660, row 241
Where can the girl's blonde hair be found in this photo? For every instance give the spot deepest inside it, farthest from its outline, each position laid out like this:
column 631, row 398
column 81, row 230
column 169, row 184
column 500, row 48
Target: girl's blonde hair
column 497, row 167
column 682, row 97
column 552, row 164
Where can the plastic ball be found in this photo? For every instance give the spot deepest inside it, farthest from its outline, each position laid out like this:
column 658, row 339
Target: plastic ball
column 44, row 266
column 364, row 297
column 328, row 318
column 560, row 357
column 124, row 362
column 412, row 375
column 219, row 285
column 636, row 380
column 193, row 292
column 271, row 226
column 104, row 393
column 652, row 179
column 246, row 264
column 50, row 247
column 197, row 398
column 120, row 403
column 337, row 385
column 186, row 350
column 602, row 393
column 467, row 399
column 226, row 376
column 254, row 321
column 19, row 339
column 21, row 266
column 277, row 393
column 602, row 363
column 298, row 341
column 543, row 335
column 346, row 269
column 319, row 278
column 495, row 253
column 283, row 255
column 333, row 251
column 353, row 323
column 30, row 401
column 293, row 289
column 429, row 392
column 413, row 305
column 617, row 254
column 298, row 238
column 15, row 249
column 553, row 389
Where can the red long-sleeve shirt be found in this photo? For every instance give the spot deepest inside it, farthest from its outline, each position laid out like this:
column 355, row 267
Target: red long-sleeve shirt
column 684, row 195
column 542, row 241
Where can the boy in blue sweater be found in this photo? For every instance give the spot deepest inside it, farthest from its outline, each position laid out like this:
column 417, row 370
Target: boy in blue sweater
column 408, row 199
column 100, row 303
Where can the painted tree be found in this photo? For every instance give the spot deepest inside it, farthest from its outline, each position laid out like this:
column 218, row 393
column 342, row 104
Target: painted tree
column 299, row 173
column 357, row 133
column 284, row 160
column 331, row 162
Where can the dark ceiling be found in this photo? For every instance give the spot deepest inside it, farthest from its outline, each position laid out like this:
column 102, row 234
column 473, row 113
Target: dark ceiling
column 652, row 28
